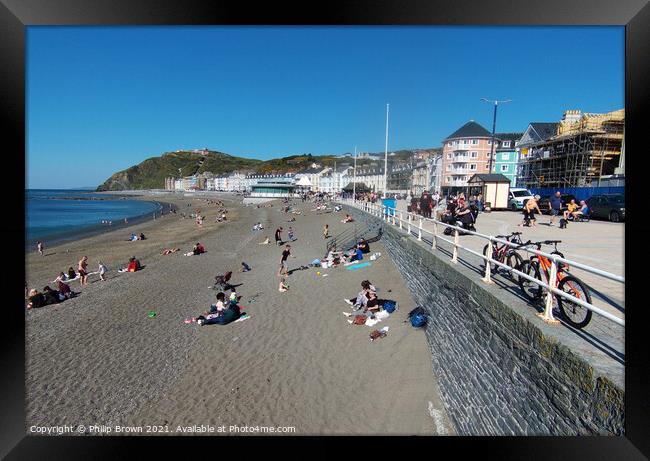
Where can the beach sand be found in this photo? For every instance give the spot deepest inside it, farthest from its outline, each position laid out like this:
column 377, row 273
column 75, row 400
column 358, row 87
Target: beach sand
column 98, row 359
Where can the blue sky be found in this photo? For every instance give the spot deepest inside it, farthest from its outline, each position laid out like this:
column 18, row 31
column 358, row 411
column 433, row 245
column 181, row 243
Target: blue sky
column 100, row 99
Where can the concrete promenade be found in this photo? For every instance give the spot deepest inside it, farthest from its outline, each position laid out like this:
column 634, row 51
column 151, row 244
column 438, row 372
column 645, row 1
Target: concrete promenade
column 598, row 244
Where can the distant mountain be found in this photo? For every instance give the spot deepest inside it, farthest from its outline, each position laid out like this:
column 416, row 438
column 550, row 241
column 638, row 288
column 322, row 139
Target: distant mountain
column 151, row 173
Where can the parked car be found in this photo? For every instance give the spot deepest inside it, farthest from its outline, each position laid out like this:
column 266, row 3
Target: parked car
column 607, row 206
column 517, row 198
column 566, row 198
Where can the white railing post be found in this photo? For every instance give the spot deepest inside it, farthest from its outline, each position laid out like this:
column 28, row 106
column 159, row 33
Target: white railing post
column 394, row 213
column 454, row 258
column 420, row 231
column 400, row 220
column 488, row 263
column 548, row 311
column 409, row 223
column 434, row 240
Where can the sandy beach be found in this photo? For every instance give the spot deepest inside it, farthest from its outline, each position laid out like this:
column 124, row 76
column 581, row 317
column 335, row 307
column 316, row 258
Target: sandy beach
column 98, row 359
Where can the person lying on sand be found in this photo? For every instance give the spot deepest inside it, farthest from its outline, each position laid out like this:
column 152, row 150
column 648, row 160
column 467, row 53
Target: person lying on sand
column 168, row 251
column 244, row 267
column 347, row 219
column 35, row 299
column 220, row 313
column 265, row 242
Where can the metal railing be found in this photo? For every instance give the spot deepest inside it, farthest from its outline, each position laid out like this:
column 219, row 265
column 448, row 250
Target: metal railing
column 412, row 225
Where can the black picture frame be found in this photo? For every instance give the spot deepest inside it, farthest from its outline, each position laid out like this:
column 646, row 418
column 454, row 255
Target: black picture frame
column 15, row 15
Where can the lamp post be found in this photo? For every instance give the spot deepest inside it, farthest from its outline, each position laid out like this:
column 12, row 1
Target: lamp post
column 386, row 156
column 494, row 125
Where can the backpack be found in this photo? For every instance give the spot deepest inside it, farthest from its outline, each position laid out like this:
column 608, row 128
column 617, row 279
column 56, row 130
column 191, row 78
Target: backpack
column 390, row 306
column 418, row 317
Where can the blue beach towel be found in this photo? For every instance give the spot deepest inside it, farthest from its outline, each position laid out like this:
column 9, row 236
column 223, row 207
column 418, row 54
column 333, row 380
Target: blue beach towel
column 358, row 266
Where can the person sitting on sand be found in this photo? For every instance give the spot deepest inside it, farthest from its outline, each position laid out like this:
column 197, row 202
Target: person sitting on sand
column 219, row 312
column 347, row 219
column 361, row 299
column 265, row 242
column 363, row 246
column 134, row 265
column 283, row 286
column 63, row 287
column 133, row 237
column 354, row 254
column 168, row 251
column 71, row 274
column 196, row 250
column 142, row 237
column 244, row 267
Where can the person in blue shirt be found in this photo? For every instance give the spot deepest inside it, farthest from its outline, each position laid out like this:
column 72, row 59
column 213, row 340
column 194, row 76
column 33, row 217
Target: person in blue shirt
column 583, row 211
column 555, row 206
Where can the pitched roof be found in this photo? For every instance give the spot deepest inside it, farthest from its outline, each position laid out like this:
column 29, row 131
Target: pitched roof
column 469, row 130
column 544, row 130
column 494, row 177
column 508, row 136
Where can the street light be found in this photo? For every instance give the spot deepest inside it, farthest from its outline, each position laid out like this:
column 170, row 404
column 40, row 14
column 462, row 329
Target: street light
column 494, row 125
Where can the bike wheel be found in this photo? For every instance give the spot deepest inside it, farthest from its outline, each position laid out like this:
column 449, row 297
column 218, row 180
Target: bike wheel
column 514, row 260
column 493, row 267
column 531, row 290
column 575, row 315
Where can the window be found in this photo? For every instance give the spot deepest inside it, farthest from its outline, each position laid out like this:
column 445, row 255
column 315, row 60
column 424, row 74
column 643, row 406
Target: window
column 505, row 156
column 448, row 167
column 472, row 166
column 474, row 154
column 449, row 144
column 447, row 179
column 449, row 156
column 474, row 141
column 489, row 142
column 504, row 168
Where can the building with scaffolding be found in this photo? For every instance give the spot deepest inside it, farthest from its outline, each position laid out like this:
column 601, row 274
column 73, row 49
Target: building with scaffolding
column 583, row 151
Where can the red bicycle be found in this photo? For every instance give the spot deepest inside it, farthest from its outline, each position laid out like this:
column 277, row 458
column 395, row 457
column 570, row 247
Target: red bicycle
column 503, row 253
column 539, row 267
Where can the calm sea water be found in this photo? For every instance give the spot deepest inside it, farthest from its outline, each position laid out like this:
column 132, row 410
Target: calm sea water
column 59, row 214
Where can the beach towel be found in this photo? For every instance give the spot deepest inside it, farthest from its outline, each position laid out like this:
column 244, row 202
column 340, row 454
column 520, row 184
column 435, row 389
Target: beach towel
column 358, row 266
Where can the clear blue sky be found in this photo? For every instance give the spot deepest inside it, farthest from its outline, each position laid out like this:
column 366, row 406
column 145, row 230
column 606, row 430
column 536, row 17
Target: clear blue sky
column 100, row 99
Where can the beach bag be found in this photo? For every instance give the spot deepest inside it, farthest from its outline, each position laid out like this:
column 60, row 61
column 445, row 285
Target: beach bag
column 359, row 320
column 418, row 320
column 390, row 306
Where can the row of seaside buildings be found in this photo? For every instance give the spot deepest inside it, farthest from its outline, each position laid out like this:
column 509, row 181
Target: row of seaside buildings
column 581, row 150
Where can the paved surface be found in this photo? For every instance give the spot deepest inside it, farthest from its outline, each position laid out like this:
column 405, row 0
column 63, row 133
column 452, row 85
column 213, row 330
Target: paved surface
column 598, row 244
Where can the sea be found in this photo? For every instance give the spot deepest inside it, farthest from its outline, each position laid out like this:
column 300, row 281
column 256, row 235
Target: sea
column 53, row 215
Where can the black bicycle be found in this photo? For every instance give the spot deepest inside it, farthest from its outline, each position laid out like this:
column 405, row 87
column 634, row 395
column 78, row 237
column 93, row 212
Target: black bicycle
column 503, row 253
column 539, row 267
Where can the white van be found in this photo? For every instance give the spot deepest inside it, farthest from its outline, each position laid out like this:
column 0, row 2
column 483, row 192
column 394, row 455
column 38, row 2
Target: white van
column 518, row 197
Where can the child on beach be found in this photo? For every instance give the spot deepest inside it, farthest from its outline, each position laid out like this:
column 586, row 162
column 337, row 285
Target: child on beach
column 278, row 236
column 326, row 231
column 102, row 271
column 283, row 286
column 290, row 233
column 244, row 267
column 39, row 245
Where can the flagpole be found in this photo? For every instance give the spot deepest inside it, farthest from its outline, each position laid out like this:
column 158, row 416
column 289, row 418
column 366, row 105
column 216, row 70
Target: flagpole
column 386, row 156
column 354, row 183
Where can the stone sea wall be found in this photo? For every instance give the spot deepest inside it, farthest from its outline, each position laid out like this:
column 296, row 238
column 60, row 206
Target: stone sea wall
column 498, row 373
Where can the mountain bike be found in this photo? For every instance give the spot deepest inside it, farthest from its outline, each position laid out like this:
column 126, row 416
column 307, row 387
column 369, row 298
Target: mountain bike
column 503, row 253
column 539, row 267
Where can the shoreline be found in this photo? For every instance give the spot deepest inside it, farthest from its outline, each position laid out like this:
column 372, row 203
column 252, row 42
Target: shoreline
column 93, row 230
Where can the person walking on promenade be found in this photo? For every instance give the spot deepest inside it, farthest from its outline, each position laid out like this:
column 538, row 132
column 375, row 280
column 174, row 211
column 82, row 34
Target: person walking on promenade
column 554, row 206
column 39, row 245
column 278, row 236
column 83, row 271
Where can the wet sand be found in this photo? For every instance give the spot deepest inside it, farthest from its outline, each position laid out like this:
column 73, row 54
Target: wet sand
column 98, row 359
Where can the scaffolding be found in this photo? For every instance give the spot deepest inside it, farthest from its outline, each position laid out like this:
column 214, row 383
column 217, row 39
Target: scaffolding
column 582, row 151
